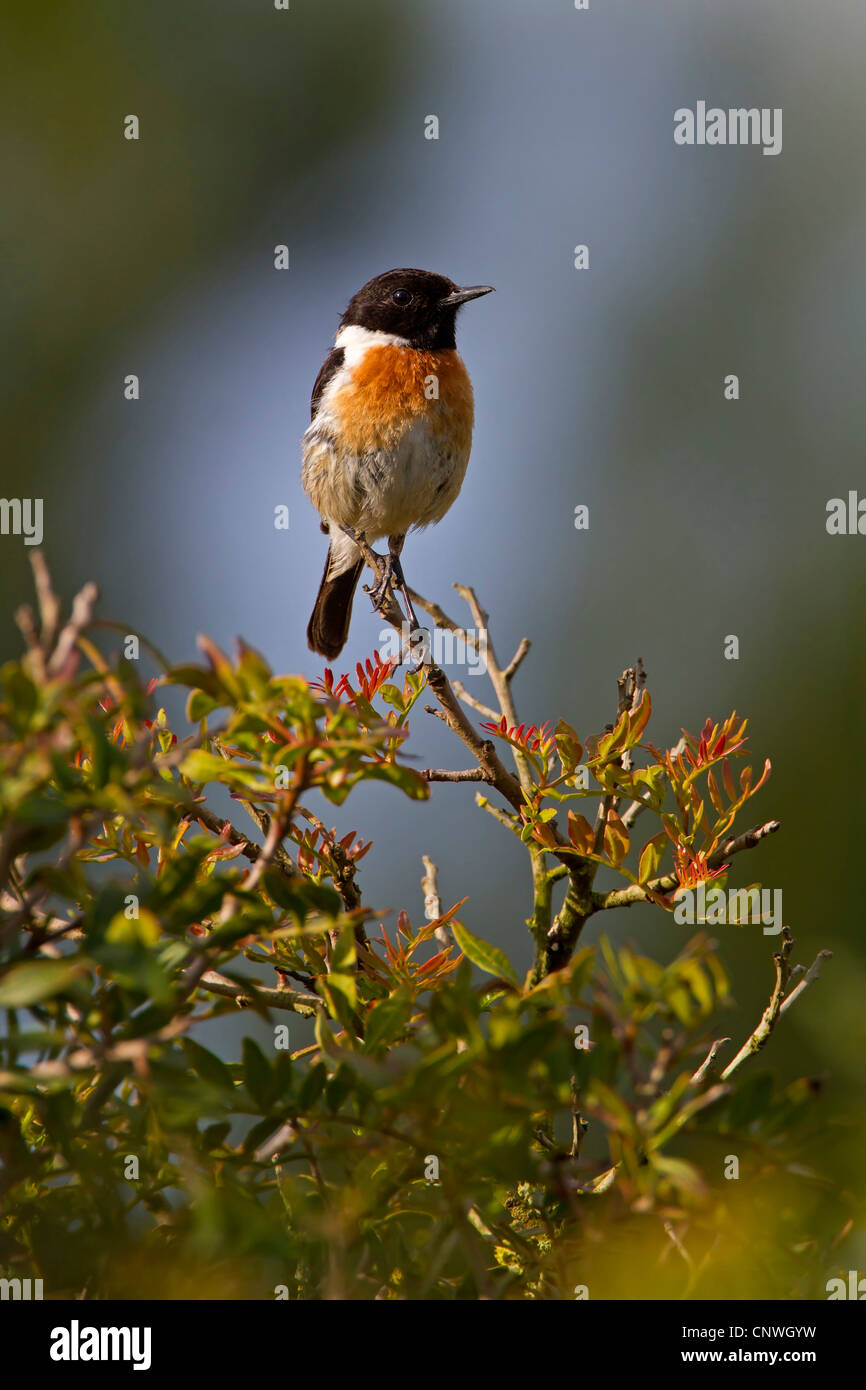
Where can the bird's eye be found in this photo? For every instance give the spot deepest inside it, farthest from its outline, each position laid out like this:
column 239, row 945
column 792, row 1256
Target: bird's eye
column 401, row 297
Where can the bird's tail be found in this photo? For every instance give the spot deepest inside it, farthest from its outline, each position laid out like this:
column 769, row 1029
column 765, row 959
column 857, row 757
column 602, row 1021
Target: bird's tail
column 328, row 627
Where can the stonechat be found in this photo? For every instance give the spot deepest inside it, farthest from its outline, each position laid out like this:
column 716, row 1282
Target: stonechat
column 390, row 434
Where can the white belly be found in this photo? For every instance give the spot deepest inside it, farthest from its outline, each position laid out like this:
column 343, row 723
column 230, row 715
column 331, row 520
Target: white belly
column 384, row 494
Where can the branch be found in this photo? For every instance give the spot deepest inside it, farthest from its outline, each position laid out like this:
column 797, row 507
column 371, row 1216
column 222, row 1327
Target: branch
column 632, row 812
column 199, row 961
column 430, row 889
column 498, row 679
column 432, row 900
column 504, row 817
column 758, row 1037
column 641, row 893
column 482, row 749
column 50, row 653
column 289, row 999
column 702, row 1070
column 517, row 660
column 555, row 947
column 224, row 830
column 465, row 774
column 450, row 709
column 514, row 789
column 738, row 843
column 342, row 867
column 811, row 974
column 440, row 617
column 486, row 710
column 629, row 686
column 49, row 603
column 82, row 612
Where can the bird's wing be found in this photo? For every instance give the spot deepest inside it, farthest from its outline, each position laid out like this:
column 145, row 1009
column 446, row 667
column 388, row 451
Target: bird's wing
column 331, row 365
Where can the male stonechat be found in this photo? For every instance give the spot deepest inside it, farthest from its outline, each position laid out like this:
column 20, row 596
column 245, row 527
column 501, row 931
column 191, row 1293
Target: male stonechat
column 390, row 434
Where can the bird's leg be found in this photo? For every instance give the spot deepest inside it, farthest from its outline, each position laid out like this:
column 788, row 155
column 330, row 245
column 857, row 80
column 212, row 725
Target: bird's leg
column 384, row 577
column 383, row 566
column 395, row 545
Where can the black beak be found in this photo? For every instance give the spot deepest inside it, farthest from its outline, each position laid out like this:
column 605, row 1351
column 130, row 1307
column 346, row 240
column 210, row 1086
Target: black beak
column 470, row 292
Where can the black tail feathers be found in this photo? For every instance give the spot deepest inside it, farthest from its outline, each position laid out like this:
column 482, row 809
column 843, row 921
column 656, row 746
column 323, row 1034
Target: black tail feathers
column 328, row 628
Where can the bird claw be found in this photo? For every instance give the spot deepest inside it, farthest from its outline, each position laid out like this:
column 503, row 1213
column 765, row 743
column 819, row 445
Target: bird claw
column 379, row 591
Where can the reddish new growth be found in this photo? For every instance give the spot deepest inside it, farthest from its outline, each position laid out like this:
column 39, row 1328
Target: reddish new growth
column 371, row 676
column 314, row 845
column 107, row 704
column 691, row 868
column 703, row 752
column 535, row 739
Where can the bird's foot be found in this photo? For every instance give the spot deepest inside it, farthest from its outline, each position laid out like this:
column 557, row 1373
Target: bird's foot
column 382, row 565
column 385, row 575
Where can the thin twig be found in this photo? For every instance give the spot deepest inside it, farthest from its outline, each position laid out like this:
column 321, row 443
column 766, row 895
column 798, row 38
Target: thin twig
column 433, row 901
column 517, row 660
column 441, row 618
column 510, row 822
column 811, row 974
column 486, row 710
column 79, row 618
column 759, row 1035
column 702, row 1070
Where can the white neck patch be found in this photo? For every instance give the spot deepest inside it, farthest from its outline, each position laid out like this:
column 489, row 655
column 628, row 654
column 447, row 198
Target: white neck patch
column 355, row 341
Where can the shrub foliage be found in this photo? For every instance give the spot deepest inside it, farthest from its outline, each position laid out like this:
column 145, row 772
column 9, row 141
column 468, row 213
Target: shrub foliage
column 406, row 1114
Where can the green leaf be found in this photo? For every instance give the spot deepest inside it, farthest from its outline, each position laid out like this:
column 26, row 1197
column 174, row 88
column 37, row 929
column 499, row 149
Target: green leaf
column 486, row 957
column 312, row 1087
column 402, row 777
column 699, row 983
column 341, row 1085
column 210, row 1068
column 615, row 839
column 22, row 695
column 617, row 740
column 387, row 1019
column 653, row 779
column 651, row 857
column 679, row 1000
column 392, row 696
column 214, row 1135
column 751, row 1100
column 144, row 930
column 343, row 952
column 580, row 832
column 33, row 981
column 199, row 705
column 639, row 718
column 257, row 1073
column 200, row 766
column 568, row 745
column 341, row 993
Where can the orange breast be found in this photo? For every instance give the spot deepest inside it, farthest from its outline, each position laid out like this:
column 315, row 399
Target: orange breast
column 391, row 387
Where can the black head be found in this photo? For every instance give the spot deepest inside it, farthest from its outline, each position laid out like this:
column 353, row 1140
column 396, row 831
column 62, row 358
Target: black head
column 413, row 304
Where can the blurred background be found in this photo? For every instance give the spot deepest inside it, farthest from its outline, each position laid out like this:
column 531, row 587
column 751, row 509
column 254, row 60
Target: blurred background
column 601, row 387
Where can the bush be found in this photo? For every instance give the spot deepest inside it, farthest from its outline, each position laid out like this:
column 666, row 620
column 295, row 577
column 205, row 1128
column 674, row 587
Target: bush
column 445, row 1129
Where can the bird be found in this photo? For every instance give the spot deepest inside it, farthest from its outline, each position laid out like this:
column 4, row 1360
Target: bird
column 389, row 438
